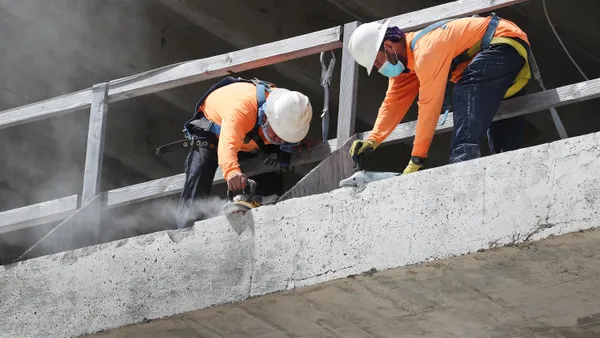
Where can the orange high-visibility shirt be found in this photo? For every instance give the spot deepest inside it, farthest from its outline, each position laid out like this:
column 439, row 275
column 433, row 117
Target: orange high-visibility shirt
column 429, row 66
column 235, row 109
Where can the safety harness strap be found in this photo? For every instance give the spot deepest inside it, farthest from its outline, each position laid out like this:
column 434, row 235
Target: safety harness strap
column 484, row 43
column 200, row 121
column 490, row 31
column 426, row 30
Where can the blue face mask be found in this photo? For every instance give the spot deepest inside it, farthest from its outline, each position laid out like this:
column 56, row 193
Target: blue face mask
column 265, row 125
column 390, row 70
column 265, row 129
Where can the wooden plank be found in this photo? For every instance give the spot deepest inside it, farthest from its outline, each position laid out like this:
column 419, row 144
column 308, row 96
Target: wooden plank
column 348, row 89
column 188, row 72
column 577, row 92
column 73, row 233
column 174, row 184
column 46, row 109
column 95, row 143
column 421, row 18
column 36, row 214
column 326, row 176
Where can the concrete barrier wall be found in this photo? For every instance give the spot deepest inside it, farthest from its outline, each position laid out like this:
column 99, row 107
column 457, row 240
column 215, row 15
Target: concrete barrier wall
column 509, row 198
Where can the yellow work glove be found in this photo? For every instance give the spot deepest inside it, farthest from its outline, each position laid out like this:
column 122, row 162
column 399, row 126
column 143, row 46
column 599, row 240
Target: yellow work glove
column 360, row 146
column 414, row 164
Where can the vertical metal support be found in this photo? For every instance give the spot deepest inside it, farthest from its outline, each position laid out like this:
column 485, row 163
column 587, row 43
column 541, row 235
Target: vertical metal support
column 535, row 70
column 348, row 89
column 95, row 143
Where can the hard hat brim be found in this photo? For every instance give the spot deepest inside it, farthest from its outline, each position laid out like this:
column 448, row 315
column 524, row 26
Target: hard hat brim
column 380, row 37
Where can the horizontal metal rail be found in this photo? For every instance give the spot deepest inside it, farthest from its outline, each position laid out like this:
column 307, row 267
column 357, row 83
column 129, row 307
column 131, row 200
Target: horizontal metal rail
column 578, row 92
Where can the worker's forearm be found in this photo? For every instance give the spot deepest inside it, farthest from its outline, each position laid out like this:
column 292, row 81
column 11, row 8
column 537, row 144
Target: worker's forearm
column 425, row 130
column 400, row 95
column 386, row 122
column 228, row 155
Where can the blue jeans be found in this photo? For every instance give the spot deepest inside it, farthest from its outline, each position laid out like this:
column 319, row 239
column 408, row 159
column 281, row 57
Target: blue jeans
column 476, row 99
column 200, row 167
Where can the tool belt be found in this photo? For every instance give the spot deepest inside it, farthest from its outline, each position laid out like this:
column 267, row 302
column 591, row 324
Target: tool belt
column 200, row 139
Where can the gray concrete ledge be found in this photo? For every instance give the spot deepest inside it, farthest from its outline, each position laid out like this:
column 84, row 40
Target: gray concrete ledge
column 510, row 198
column 544, row 289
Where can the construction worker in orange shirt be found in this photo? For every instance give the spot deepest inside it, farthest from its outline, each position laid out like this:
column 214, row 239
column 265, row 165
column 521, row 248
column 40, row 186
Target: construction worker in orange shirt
column 485, row 57
column 238, row 116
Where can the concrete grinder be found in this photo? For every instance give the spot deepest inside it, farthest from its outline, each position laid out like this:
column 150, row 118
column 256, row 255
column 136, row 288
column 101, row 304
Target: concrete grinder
column 242, row 201
column 360, row 177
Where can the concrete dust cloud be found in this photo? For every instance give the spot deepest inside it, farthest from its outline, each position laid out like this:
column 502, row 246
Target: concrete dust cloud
column 56, row 49
column 116, row 224
column 154, row 216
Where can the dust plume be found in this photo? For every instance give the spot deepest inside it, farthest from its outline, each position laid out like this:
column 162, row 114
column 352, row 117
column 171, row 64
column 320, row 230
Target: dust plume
column 155, row 215
column 54, row 48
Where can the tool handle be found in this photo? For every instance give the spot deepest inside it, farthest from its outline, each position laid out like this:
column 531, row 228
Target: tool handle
column 249, row 190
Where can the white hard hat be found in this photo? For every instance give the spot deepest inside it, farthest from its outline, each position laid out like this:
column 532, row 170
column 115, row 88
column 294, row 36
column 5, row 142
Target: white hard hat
column 365, row 42
column 289, row 114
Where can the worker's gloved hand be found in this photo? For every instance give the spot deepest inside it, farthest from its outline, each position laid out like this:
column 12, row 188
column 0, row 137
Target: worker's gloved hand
column 360, row 147
column 237, row 181
column 271, row 159
column 414, row 164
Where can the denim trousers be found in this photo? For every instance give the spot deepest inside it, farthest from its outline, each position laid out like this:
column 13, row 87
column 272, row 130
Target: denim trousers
column 476, row 99
column 200, row 167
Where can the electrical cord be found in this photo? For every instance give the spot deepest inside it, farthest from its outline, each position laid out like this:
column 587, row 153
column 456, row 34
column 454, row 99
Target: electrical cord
column 561, row 43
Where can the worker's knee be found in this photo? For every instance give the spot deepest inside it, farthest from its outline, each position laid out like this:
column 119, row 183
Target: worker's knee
column 461, row 152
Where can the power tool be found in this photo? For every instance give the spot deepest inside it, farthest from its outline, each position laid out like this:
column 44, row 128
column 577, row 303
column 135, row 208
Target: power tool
column 243, row 200
column 361, row 177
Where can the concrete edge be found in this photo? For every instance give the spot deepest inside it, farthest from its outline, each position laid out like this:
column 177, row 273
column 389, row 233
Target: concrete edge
column 510, row 198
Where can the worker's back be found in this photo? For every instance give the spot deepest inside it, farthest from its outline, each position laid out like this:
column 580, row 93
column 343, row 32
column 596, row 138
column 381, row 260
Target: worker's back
column 459, row 35
column 234, row 107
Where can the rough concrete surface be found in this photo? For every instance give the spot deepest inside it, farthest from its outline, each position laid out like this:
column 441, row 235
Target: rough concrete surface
column 550, row 288
column 530, row 194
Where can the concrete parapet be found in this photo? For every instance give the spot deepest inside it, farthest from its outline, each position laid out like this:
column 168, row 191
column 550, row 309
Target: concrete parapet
column 533, row 193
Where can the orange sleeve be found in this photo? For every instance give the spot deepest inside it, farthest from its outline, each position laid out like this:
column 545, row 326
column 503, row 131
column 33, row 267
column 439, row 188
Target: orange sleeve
column 432, row 70
column 402, row 91
column 235, row 123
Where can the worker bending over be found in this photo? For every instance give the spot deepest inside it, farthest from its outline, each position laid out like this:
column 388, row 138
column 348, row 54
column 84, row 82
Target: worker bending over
column 239, row 115
column 486, row 58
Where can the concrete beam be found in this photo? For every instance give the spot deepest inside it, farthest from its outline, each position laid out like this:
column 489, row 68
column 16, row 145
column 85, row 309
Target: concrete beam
column 357, row 9
column 240, row 40
column 461, row 208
